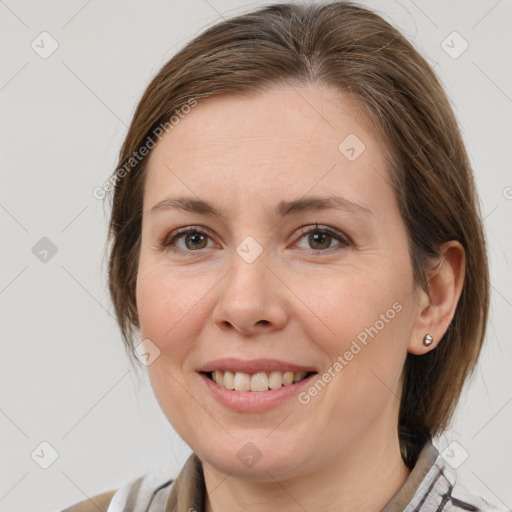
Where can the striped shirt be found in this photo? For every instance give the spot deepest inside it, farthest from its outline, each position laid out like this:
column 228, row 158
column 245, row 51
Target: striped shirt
column 430, row 487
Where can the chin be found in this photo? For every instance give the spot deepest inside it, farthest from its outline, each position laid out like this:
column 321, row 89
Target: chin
column 252, row 457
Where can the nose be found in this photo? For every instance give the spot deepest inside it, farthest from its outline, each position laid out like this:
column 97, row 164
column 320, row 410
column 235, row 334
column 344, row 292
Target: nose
column 251, row 299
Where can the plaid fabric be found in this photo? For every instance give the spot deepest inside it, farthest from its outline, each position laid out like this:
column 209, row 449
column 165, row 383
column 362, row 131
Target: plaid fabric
column 430, row 487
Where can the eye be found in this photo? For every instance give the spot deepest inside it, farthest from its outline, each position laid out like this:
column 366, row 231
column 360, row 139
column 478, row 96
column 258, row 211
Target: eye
column 193, row 239
column 320, row 239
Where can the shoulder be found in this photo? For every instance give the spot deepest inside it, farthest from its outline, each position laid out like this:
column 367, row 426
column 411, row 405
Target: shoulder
column 449, row 494
column 98, row 503
column 135, row 495
column 462, row 499
column 434, row 485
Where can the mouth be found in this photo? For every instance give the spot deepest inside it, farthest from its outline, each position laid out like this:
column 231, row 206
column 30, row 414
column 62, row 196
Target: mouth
column 255, row 385
column 256, row 382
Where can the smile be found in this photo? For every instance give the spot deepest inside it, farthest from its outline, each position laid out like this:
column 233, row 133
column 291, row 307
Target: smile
column 258, row 382
column 243, row 397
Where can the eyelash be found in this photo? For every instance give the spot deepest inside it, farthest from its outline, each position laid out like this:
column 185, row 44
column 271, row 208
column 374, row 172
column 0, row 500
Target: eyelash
column 169, row 240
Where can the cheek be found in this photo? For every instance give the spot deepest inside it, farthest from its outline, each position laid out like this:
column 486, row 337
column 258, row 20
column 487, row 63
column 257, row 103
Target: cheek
column 366, row 354
column 171, row 309
column 356, row 303
column 170, row 316
column 365, row 326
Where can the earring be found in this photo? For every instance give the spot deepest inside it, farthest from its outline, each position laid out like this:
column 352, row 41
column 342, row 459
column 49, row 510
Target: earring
column 428, row 339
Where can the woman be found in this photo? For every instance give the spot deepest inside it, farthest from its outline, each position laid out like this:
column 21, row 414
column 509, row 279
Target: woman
column 297, row 241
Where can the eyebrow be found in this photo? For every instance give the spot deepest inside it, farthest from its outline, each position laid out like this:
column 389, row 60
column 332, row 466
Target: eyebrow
column 284, row 208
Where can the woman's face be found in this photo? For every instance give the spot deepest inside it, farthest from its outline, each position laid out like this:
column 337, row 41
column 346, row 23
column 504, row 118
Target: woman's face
column 273, row 282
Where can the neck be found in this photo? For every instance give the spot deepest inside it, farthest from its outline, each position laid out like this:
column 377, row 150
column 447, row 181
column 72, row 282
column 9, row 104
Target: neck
column 361, row 478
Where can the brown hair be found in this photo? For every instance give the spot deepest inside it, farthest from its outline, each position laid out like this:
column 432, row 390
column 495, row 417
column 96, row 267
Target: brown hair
column 344, row 45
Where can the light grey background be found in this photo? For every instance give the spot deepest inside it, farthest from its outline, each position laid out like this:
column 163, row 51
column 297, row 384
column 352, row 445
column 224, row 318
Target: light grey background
column 64, row 376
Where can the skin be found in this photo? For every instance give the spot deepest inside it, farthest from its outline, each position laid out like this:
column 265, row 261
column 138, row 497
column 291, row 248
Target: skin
column 246, row 155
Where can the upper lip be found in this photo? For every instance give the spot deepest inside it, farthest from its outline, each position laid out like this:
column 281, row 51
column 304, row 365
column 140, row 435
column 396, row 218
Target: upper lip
column 253, row 366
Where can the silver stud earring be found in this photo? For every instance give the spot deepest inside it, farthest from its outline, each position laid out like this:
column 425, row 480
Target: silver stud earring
column 428, row 340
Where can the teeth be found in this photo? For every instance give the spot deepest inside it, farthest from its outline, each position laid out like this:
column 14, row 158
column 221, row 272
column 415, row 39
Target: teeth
column 260, row 381
column 299, row 376
column 218, row 377
column 275, row 380
column 287, row 378
column 242, row 381
column 229, row 380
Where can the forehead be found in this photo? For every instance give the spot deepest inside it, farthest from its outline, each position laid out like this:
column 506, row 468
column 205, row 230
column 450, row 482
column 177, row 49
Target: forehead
column 286, row 139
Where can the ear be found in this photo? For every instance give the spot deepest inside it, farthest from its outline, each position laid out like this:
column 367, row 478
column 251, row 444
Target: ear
column 436, row 308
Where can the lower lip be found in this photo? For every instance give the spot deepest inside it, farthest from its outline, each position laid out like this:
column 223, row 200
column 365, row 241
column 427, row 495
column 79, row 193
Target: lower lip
column 254, row 401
